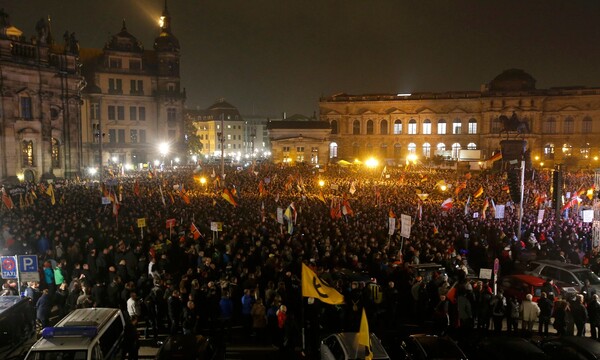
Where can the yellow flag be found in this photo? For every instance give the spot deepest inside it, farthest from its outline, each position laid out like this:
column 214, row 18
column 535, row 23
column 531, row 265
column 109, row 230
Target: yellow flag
column 364, row 337
column 50, row 192
column 314, row 287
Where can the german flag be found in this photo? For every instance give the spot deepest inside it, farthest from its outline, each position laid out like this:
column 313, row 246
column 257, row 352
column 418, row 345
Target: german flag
column 497, row 156
column 478, row 193
column 229, row 197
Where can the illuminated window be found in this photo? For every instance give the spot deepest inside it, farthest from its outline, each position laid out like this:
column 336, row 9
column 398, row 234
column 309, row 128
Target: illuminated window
column 441, row 127
column 427, row 127
column 412, row 127
column 549, row 151
column 567, row 149
column 472, row 126
column 55, row 153
column 471, row 146
column 370, row 127
column 457, row 127
column 426, row 150
column 455, row 150
column 585, row 150
column 397, row 127
column 440, row 148
column 133, row 136
column 314, row 155
column 412, row 148
column 356, row 127
column 27, row 153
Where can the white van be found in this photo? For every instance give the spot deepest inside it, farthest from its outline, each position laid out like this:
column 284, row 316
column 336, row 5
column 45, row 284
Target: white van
column 84, row 334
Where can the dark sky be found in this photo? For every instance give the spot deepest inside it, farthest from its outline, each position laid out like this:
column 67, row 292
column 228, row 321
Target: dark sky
column 271, row 56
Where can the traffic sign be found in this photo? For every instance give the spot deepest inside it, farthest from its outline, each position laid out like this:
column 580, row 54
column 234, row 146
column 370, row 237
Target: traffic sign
column 9, row 267
column 28, row 267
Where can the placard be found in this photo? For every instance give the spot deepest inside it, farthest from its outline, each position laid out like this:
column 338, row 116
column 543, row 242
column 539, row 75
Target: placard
column 540, row 217
column 171, row 223
column 499, row 211
column 405, row 223
column 485, row 273
column 391, row 225
column 280, row 215
column 141, row 222
column 216, row 226
column 105, row 200
column 588, row 215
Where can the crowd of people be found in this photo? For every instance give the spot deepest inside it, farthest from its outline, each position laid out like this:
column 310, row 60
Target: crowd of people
column 179, row 274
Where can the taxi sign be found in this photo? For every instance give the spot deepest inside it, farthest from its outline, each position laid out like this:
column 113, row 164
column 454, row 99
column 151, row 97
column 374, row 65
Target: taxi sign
column 9, row 267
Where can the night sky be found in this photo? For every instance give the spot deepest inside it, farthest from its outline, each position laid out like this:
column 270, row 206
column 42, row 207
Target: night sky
column 271, row 56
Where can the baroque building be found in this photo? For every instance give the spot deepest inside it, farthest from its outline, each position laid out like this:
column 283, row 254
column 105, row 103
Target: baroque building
column 133, row 101
column 40, row 86
column 563, row 122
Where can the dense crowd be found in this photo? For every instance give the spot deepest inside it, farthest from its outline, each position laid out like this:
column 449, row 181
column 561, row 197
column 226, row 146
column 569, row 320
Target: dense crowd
column 187, row 278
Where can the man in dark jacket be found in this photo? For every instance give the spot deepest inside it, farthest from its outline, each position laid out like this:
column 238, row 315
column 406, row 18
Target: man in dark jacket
column 594, row 315
column 175, row 311
column 43, row 307
column 580, row 315
column 545, row 306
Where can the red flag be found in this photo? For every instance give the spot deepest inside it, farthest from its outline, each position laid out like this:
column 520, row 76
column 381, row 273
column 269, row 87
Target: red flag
column 136, row 188
column 391, row 213
column 195, row 232
column 447, row 204
column 7, row 200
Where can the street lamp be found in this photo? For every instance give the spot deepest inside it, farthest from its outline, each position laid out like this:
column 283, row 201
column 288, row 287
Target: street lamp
column 321, row 183
column 163, row 149
column 371, row 163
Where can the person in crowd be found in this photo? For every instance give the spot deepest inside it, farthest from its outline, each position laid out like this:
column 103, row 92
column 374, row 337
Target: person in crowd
column 259, row 320
column 580, row 314
column 43, row 307
column 175, row 310
column 530, row 312
column 131, row 341
column 546, row 308
column 593, row 309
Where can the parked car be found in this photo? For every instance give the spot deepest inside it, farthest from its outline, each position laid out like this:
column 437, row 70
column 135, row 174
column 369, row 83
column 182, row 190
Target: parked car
column 518, row 286
column 507, row 348
column 188, row 347
column 572, row 275
column 425, row 347
column 344, row 346
column 571, row 348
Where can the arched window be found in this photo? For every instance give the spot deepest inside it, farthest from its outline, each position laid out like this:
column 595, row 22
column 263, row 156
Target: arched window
column 55, row 153
column 549, row 151
column 585, row 150
column 334, row 126
column 496, row 125
column 397, row 127
column 455, row 150
column 383, row 151
column 370, row 127
column 457, row 127
column 471, row 146
column 412, row 127
column 333, row 150
column 27, row 153
column 586, row 125
column 356, row 127
column 355, row 150
column 412, row 148
column 397, row 150
column 427, row 127
column 426, row 150
column 369, row 149
column 472, row 126
column 25, row 108
column 440, row 149
column 441, row 127
column 383, row 127
column 567, row 149
column 550, row 126
column 569, row 125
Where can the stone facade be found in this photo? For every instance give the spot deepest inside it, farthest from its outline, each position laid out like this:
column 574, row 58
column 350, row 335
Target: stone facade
column 295, row 141
column 40, row 86
column 133, row 101
column 564, row 123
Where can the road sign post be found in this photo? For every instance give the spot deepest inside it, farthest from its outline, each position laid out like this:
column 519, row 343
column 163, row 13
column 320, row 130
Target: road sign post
column 28, row 269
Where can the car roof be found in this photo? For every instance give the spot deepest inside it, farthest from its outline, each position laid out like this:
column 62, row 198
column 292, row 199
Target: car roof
column 436, row 346
column 529, row 279
column 559, row 264
column 349, row 341
column 587, row 345
column 510, row 347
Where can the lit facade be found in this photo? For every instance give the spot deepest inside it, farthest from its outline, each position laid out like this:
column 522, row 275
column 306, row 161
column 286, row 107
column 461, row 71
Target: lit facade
column 134, row 100
column 40, row 90
column 295, row 141
column 564, row 123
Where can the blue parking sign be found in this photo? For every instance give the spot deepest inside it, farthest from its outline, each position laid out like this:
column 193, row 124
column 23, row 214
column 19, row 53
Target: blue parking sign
column 28, row 268
column 9, row 267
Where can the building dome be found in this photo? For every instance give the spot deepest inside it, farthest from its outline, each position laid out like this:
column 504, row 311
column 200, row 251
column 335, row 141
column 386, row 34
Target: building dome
column 166, row 41
column 513, row 80
column 124, row 41
column 222, row 108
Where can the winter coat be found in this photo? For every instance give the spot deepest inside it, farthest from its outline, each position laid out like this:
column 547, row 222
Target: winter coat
column 259, row 316
column 530, row 310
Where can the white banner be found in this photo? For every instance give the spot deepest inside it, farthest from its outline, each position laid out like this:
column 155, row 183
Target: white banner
column 499, row 211
column 280, row 215
column 216, row 226
column 105, row 200
column 485, row 273
column 391, row 225
column 540, row 216
column 405, row 224
column 588, row 216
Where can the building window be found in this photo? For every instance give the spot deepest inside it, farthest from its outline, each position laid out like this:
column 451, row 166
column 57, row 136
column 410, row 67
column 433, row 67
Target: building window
column 333, row 150
column 133, row 136
column 456, row 127
column 314, row 155
column 412, row 148
column 455, row 150
column 440, row 149
column 120, row 112
column 26, row 112
column 383, row 150
column 27, row 153
column 55, row 153
column 441, row 127
column 229, row 136
column 369, row 149
column 569, row 125
column 142, row 113
column 135, row 64
column 471, row 146
column 370, row 127
column 397, row 127
column 383, row 127
column 550, row 126
column 472, row 126
column 587, row 125
column 171, row 114
column 115, row 63
column 286, row 149
column 112, row 136
column 111, row 113
column 397, row 150
column 96, row 132
column 334, row 127
column 355, row 150
column 142, row 134
column 567, row 149
column 356, row 127
column 412, row 127
column 133, row 113
column 549, row 151
column 300, row 149
column 496, row 125
column 95, row 111
column 427, row 127
column 115, row 86
column 426, row 150
column 121, row 136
